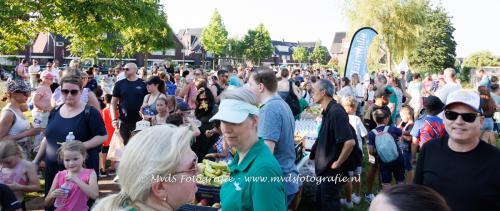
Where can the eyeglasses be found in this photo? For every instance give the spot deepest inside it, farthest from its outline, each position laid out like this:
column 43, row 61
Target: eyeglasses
column 126, row 69
column 193, row 171
column 204, row 99
column 467, row 117
column 67, row 91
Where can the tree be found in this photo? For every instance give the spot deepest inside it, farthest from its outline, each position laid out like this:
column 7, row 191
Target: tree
column 398, row 22
column 214, row 36
column 257, row 44
column 319, row 54
column 481, row 59
column 234, row 48
column 156, row 36
column 17, row 27
column 300, row 54
column 435, row 50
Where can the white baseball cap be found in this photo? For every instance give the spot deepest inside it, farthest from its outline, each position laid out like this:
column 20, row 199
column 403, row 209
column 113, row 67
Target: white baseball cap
column 466, row 97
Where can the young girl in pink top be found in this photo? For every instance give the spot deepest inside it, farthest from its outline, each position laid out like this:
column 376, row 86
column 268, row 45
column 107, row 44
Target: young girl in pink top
column 82, row 182
column 15, row 172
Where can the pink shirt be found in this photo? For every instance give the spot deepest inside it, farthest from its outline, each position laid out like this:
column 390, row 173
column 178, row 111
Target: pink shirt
column 77, row 199
column 45, row 93
column 17, row 174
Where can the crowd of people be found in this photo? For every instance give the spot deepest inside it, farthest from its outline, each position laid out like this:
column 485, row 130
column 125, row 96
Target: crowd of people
column 436, row 141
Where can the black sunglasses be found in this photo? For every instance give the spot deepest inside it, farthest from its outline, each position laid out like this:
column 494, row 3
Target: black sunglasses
column 126, row 69
column 22, row 92
column 467, row 117
column 67, row 91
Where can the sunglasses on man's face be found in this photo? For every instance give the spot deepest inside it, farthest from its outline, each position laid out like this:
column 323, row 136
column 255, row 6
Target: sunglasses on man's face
column 126, row 69
column 68, row 91
column 467, row 117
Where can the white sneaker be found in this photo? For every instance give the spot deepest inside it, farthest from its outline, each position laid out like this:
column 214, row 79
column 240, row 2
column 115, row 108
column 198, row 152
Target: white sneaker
column 355, row 198
column 369, row 197
column 344, row 202
column 115, row 180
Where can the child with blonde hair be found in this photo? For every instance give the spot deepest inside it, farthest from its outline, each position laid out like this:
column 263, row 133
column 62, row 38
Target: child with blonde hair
column 72, row 187
column 17, row 173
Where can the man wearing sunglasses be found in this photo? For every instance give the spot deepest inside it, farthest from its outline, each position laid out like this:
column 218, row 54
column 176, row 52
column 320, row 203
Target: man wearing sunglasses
column 462, row 168
column 128, row 95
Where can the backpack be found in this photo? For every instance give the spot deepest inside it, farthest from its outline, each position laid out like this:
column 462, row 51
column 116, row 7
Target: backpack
column 385, row 145
column 292, row 100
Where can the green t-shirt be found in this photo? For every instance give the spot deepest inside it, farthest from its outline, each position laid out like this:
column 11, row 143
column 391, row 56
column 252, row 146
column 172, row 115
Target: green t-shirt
column 251, row 186
column 394, row 100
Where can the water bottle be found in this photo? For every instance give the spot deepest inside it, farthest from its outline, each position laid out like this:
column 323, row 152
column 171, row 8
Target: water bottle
column 61, row 201
column 70, row 137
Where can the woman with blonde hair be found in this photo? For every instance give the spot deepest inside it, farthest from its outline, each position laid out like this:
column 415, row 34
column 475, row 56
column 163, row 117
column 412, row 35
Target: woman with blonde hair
column 165, row 182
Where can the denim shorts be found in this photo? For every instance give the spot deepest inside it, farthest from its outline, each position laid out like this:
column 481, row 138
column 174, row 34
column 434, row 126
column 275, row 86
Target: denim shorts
column 395, row 168
column 487, row 124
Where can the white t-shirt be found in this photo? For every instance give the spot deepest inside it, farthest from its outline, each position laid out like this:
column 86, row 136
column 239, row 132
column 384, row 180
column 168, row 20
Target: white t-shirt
column 443, row 92
column 356, row 123
column 360, row 92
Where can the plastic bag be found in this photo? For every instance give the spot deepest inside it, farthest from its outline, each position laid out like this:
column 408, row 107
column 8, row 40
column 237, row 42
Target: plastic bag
column 116, row 147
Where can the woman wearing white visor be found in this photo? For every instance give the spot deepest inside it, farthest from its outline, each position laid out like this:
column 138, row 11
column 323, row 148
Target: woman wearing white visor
column 255, row 172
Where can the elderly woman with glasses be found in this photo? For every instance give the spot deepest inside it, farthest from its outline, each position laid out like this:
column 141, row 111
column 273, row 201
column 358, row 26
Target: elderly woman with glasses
column 13, row 124
column 165, row 182
column 238, row 114
column 76, row 117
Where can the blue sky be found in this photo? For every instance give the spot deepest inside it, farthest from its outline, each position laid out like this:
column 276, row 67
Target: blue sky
column 307, row 21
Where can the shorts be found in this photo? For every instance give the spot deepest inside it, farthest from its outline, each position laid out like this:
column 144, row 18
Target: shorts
column 407, row 160
column 395, row 168
column 356, row 172
column 487, row 124
column 104, row 149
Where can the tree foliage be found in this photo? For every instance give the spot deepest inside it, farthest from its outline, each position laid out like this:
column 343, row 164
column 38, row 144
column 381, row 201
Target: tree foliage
column 435, row 50
column 157, row 37
column 319, row 54
column 257, row 44
column 93, row 27
column 399, row 23
column 481, row 59
column 16, row 26
column 214, row 36
column 300, row 54
column 234, row 48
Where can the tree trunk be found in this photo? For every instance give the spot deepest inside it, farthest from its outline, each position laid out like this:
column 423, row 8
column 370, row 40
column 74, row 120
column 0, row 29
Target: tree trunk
column 389, row 60
column 146, row 60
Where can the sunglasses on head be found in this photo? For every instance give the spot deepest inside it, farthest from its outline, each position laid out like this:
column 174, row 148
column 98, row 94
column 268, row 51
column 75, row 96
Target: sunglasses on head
column 67, row 91
column 467, row 117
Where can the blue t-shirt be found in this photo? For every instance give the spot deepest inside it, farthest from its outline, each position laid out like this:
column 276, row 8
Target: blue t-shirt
column 84, row 129
column 276, row 123
column 171, row 88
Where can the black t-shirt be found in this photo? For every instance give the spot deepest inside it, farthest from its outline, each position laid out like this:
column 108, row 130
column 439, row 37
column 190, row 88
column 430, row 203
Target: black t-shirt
column 467, row 180
column 369, row 122
column 8, row 200
column 333, row 133
column 131, row 94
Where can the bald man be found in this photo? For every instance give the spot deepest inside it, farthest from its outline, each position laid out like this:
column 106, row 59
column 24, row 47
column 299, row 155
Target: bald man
column 128, row 95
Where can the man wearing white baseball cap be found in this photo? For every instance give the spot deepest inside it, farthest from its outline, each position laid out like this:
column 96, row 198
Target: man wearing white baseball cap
column 462, row 168
column 238, row 114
